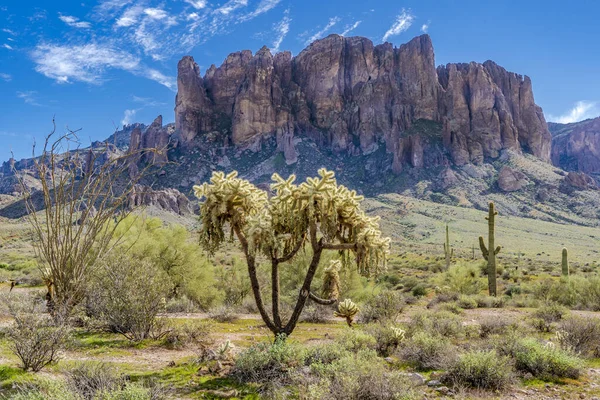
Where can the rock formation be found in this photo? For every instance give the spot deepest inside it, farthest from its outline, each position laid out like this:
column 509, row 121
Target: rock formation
column 167, row 199
column 510, row 180
column 351, row 96
column 576, row 147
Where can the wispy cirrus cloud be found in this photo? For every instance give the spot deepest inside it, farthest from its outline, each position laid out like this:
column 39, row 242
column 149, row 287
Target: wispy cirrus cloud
column 5, row 77
column 403, row 21
column 581, row 110
column 30, row 97
column 7, row 46
column 197, row 4
column 146, row 101
column 350, row 28
column 319, row 34
column 281, row 29
column 74, row 22
column 6, row 30
column 87, row 63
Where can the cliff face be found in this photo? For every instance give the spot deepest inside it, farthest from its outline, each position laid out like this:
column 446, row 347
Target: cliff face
column 352, row 97
column 576, row 147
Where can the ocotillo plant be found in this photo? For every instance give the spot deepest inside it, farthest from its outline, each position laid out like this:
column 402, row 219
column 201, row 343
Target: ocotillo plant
column 565, row 262
column 489, row 252
column 448, row 251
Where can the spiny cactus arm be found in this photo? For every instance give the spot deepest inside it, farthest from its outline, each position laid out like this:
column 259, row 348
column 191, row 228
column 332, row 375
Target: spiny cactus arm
column 483, row 248
column 321, row 301
column 497, row 249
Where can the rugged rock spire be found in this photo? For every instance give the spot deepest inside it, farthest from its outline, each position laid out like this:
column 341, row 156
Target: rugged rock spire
column 352, row 96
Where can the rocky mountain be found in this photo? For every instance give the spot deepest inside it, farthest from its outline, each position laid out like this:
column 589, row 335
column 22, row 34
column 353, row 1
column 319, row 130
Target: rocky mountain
column 386, row 119
column 576, row 146
column 352, row 97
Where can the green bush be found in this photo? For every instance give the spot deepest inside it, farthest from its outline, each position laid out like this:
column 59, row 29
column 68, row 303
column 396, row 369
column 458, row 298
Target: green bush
column 489, row 302
column 462, row 279
column 425, row 351
column 580, row 335
column 354, row 340
column 266, row 362
column 466, row 302
column 384, row 307
column 443, row 323
column 481, row 370
column 355, row 377
column 493, row 325
column 547, row 315
column 544, row 362
column 419, row 290
column 325, row 353
column 388, row 338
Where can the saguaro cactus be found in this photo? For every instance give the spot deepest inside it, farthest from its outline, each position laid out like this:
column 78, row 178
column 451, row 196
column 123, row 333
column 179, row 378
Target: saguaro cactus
column 448, row 251
column 490, row 252
column 565, row 262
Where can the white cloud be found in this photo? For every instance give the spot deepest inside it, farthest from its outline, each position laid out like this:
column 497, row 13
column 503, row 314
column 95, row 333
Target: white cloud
column 88, row 62
column 281, row 28
column 350, row 28
column 263, row 7
column 402, row 23
column 582, row 110
column 332, row 22
column 193, row 16
column 128, row 117
column 130, row 16
column 425, row 27
column 29, row 97
column 147, row 101
column 5, row 77
column 231, row 5
column 6, row 30
column 197, row 4
column 74, row 22
column 8, row 47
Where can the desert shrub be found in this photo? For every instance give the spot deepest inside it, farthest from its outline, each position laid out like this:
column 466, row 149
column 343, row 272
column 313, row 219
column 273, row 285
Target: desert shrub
column 419, row 290
column 409, row 282
column 195, row 334
column 354, row 340
column 317, row 314
column 462, row 279
column 591, row 293
column 493, row 325
column 88, row 380
column 466, row 302
column 580, row 335
column 325, row 353
column 223, row 314
column 181, row 304
column 426, row 351
column 36, row 339
column 443, row 323
column 543, row 361
column 489, row 301
column 388, row 338
column 355, row 377
column 385, row 306
column 122, row 301
column 267, row 362
column 443, row 296
column 453, row 308
column 547, row 315
column 481, row 370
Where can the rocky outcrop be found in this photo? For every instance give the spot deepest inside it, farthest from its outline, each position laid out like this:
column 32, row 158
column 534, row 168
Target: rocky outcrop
column 352, row 96
column 167, row 199
column 576, row 147
column 577, row 181
column 149, row 146
column 510, row 180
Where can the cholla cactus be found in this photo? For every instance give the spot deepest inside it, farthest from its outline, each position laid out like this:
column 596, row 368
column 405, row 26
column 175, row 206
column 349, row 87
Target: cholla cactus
column 399, row 334
column 347, row 309
column 317, row 212
column 331, row 280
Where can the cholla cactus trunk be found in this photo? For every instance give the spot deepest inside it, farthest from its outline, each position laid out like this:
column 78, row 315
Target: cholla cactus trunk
column 490, row 252
column 565, row 262
column 448, row 251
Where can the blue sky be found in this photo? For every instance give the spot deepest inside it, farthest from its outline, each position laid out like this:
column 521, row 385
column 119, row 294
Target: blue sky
column 95, row 65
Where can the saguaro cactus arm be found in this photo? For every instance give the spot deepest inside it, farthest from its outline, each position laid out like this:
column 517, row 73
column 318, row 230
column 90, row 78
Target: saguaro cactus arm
column 484, row 250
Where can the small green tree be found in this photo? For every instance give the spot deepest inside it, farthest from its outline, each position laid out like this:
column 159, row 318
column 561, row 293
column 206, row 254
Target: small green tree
column 318, row 212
